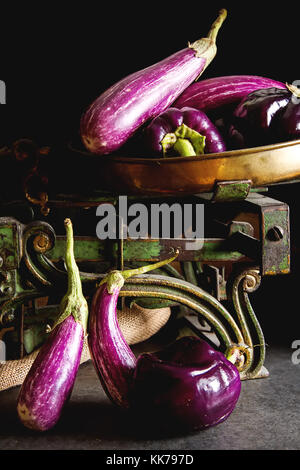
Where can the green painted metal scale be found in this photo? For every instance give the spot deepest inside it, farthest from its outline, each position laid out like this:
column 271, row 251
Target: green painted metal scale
column 246, row 238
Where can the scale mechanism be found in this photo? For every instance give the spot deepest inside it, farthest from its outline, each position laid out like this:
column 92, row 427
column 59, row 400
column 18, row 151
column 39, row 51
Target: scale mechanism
column 246, row 237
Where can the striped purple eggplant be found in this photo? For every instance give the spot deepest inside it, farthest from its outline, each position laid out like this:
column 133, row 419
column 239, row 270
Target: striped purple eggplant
column 112, row 357
column 118, row 112
column 217, row 92
column 49, row 382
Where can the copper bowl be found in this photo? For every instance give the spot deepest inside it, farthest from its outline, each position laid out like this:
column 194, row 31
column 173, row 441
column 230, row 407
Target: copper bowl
column 263, row 166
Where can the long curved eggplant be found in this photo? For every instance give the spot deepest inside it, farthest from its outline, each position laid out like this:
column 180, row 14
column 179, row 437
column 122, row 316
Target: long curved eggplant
column 114, row 370
column 120, row 110
column 50, row 380
column 217, row 92
column 186, row 387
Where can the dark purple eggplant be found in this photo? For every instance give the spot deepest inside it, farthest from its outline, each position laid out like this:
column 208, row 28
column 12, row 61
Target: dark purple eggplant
column 183, row 132
column 265, row 117
column 123, row 108
column 186, row 387
column 287, row 126
column 49, row 382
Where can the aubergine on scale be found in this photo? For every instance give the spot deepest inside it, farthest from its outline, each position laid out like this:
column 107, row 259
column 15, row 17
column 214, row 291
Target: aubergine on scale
column 266, row 116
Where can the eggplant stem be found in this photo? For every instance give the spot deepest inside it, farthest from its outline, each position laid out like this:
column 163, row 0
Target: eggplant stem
column 195, row 138
column 213, row 32
column 149, row 267
column 185, row 141
column 74, row 280
column 168, row 142
column 73, row 302
column 115, row 279
column 235, row 354
column 293, row 89
column 184, row 148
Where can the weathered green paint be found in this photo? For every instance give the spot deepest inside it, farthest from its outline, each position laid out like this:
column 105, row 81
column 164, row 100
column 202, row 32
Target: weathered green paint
column 231, row 191
column 140, row 250
column 276, row 254
column 93, row 249
column 8, row 246
column 215, row 250
column 85, row 248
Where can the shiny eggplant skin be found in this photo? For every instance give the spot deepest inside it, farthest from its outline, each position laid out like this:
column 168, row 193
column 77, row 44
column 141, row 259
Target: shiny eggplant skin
column 287, row 126
column 49, row 383
column 113, row 359
column 114, row 116
column 188, row 386
column 185, row 387
column 252, row 122
column 219, row 92
column 171, row 119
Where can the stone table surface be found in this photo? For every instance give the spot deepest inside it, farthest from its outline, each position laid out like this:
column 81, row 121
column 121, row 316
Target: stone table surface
column 266, row 418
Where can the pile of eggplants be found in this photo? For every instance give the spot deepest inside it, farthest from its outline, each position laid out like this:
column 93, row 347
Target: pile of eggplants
column 119, row 113
column 190, row 385
column 185, row 387
column 140, row 114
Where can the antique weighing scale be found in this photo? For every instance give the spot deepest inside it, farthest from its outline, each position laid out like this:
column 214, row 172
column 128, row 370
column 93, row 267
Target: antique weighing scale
column 246, row 238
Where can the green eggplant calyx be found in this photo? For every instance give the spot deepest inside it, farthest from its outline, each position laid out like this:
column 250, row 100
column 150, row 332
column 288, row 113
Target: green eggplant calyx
column 239, row 355
column 184, row 148
column 197, row 140
column 185, row 141
column 168, row 142
column 293, row 89
column 73, row 302
column 114, row 280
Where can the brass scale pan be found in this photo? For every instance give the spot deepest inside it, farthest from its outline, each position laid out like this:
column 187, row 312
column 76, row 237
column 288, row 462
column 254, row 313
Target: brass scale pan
column 263, row 166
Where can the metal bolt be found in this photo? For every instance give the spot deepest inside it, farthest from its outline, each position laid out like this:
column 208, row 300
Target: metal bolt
column 275, row 233
column 42, row 243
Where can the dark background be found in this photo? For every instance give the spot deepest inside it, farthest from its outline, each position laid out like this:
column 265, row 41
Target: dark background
column 55, row 61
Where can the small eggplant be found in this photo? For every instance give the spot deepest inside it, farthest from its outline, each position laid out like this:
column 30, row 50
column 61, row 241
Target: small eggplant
column 49, row 382
column 183, row 132
column 186, row 387
column 264, row 117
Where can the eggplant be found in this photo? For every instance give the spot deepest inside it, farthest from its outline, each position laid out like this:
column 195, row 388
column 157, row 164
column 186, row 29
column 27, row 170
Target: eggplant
column 184, row 132
column 113, row 118
column 287, row 126
column 48, row 384
column 220, row 92
column 186, row 387
column 265, row 116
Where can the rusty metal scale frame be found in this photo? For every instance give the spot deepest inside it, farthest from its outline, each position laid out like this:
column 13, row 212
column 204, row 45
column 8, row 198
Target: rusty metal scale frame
column 251, row 240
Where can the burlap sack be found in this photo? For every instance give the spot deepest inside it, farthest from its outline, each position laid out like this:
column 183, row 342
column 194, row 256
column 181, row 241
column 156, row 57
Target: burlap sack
column 137, row 324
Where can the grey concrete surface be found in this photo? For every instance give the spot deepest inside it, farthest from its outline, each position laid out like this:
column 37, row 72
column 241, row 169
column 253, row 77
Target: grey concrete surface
column 265, row 418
